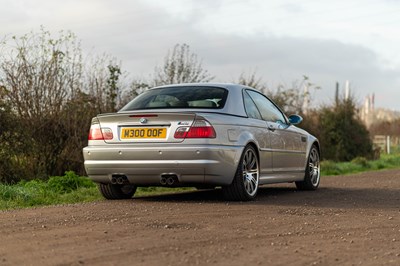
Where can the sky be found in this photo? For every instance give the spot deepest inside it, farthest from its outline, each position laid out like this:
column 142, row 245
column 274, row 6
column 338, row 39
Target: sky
column 279, row 40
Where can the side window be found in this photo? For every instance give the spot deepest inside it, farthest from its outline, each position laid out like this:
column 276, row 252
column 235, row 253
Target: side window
column 268, row 110
column 251, row 108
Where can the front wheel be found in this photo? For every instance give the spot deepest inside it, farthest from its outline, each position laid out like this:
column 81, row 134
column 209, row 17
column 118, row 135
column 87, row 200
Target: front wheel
column 115, row 191
column 312, row 172
column 245, row 183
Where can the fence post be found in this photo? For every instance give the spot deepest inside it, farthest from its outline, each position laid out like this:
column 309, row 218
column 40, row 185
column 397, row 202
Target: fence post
column 388, row 144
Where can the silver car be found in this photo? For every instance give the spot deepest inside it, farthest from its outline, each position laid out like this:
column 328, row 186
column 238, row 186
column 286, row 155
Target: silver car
column 200, row 135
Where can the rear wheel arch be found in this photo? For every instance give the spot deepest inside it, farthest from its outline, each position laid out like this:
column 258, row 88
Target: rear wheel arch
column 254, row 145
column 316, row 144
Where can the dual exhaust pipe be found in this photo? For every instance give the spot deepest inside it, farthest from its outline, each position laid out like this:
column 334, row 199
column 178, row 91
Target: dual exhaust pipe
column 119, row 179
column 169, row 180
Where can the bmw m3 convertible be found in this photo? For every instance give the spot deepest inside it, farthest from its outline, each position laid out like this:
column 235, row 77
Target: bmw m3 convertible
column 200, row 135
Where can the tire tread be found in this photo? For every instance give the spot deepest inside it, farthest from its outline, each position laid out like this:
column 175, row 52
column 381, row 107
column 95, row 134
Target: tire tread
column 114, row 192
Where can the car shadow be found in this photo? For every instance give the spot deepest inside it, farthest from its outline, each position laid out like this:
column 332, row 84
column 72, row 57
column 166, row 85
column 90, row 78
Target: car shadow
column 324, row 197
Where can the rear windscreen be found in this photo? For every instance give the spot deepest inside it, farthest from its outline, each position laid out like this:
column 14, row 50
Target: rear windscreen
column 179, row 97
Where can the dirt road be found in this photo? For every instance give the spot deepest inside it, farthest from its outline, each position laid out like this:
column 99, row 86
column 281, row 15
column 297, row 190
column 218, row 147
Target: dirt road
column 350, row 220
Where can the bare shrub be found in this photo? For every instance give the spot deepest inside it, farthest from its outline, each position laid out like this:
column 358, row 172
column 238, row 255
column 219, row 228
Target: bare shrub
column 51, row 96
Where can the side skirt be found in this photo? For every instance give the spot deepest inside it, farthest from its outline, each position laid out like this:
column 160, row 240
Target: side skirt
column 281, row 177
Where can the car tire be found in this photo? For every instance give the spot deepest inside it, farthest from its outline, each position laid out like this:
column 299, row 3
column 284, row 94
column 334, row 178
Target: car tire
column 244, row 186
column 115, row 192
column 312, row 172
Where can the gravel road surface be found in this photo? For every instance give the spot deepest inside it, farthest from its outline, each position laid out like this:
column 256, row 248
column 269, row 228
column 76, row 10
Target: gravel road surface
column 350, row 220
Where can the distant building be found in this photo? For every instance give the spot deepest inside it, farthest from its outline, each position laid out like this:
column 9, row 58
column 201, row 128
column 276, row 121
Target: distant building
column 369, row 114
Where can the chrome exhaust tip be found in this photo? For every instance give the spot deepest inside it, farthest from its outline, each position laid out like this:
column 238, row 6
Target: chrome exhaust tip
column 119, row 180
column 169, row 179
column 163, row 181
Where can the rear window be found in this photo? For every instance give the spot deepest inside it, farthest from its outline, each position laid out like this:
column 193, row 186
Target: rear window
column 179, row 97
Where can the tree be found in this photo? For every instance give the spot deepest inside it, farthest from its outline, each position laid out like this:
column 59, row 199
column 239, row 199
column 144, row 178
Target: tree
column 40, row 72
column 251, row 80
column 342, row 135
column 113, row 90
column 103, row 81
column 181, row 66
column 294, row 99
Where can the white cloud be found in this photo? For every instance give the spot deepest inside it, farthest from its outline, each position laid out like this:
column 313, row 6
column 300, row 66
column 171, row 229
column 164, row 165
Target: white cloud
column 282, row 40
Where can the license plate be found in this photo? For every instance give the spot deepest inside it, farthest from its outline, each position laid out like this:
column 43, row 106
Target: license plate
column 144, row 133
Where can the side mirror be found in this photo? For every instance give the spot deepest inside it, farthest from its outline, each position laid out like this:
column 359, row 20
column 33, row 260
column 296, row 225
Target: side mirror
column 295, row 119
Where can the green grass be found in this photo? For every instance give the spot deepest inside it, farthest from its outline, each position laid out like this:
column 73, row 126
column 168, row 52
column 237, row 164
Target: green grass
column 148, row 191
column 66, row 189
column 69, row 188
column 360, row 164
column 72, row 188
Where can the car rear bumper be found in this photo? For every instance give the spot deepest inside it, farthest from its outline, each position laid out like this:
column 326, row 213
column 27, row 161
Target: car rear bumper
column 202, row 164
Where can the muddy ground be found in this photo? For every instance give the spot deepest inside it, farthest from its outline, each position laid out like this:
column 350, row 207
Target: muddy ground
column 350, row 220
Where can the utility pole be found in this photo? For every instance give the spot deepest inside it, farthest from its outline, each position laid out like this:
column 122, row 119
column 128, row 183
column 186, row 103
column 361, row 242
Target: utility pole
column 337, row 94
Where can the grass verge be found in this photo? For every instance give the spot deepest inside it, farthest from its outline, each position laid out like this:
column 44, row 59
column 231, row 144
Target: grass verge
column 360, row 164
column 72, row 188
column 69, row 188
column 66, row 189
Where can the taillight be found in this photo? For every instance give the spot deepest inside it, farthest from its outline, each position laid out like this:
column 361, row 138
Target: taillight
column 199, row 129
column 98, row 133
column 107, row 133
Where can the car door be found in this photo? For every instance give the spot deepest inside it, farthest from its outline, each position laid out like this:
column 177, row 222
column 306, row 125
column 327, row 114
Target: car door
column 287, row 144
column 259, row 129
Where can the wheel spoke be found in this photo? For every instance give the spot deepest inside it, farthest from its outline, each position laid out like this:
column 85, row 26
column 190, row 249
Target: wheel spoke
column 253, row 181
column 248, row 189
column 314, row 178
column 252, row 187
column 314, row 167
column 253, row 171
column 246, row 185
column 250, row 181
column 246, row 160
column 313, row 157
column 250, row 172
column 252, row 163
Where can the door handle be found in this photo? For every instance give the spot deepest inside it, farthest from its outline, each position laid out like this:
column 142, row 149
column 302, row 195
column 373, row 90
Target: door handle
column 271, row 127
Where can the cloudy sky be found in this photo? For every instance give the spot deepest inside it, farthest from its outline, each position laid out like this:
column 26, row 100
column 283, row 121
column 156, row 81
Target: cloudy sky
column 282, row 40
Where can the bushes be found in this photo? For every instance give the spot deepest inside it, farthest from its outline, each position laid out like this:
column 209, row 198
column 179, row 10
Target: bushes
column 362, row 161
column 342, row 135
column 68, row 183
column 48, row 96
